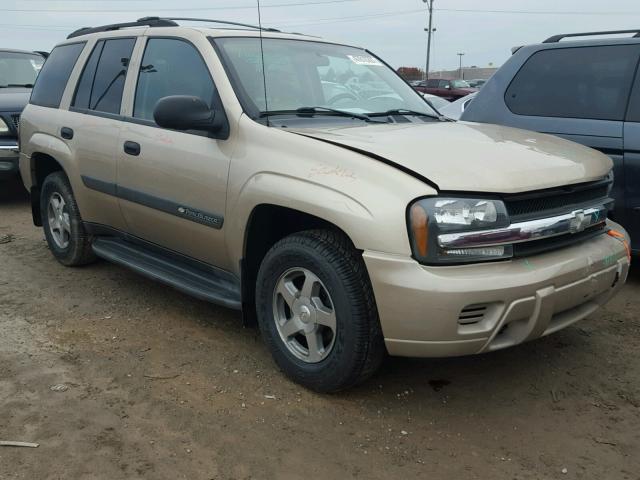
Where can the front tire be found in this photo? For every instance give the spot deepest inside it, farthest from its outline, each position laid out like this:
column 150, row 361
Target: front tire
column 62, row 224
column 317, row 312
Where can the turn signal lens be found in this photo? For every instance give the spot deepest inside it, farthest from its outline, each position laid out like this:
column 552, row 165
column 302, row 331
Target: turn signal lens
column 419, row 228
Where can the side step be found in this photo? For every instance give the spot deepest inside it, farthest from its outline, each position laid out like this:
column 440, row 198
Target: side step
column 215, row 286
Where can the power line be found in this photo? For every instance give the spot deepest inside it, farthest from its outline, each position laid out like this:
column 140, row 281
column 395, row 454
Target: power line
column 191, row 9
column 533, row 12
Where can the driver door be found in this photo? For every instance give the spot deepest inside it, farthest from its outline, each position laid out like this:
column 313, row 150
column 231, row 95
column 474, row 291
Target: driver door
column 172, row 184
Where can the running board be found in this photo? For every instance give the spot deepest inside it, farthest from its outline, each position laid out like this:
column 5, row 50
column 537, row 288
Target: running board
column 211, row 285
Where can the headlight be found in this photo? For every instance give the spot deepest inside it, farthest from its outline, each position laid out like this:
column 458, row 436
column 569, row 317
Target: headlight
column 4, row 128
column 430, row 217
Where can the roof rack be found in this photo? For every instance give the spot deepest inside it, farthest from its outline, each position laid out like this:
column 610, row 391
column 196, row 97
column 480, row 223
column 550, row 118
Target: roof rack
column 209, row 20
column 557, row 38
column 160, row 22
column 143, row 22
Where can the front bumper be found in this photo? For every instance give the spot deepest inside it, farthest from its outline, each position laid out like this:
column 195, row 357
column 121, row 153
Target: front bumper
column 462, row 310
column 9, row 157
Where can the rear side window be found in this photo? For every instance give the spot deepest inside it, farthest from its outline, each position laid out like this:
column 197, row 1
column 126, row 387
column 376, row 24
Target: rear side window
column 584, row 82
column 53, row 77
column 170, row 67
column 102, row 81
column 633, row 114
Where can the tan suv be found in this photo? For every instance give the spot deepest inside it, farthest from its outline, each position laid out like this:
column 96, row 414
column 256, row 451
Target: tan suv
column 320, row 195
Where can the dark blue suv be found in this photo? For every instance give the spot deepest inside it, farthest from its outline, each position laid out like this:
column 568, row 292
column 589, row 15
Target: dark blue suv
column 18, row 72
column 584, row 90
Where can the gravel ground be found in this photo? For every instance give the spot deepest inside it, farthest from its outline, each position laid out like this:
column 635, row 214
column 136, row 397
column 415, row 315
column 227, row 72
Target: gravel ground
column 154, row 384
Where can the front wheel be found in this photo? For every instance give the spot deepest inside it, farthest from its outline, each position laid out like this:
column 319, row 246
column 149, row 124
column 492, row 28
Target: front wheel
column 317, row 313
column 63, row 229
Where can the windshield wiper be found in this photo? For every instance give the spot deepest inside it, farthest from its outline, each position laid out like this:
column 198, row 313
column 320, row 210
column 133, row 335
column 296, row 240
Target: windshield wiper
column 402, row 111
column 17, row 85
column 311, row 111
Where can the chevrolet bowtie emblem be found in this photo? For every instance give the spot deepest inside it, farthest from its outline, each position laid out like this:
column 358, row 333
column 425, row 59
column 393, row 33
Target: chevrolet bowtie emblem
column 579, row 222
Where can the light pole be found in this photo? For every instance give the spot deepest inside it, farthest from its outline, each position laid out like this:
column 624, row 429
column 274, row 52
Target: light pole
column 461, row 71
column 429, row 31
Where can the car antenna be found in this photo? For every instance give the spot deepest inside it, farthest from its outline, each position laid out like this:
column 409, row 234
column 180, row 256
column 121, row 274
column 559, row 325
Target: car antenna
column 264, row 73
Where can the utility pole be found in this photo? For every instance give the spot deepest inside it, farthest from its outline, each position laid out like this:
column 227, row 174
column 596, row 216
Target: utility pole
column 461, row 71
column 429, row 31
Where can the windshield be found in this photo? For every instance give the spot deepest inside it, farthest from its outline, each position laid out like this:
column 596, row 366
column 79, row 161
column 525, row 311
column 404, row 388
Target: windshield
column 19, row 69
column 460, row 84
column 302, row 74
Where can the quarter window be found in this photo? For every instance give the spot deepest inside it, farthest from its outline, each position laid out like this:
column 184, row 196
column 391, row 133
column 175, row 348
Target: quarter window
column 584, row 82
column 102, row 81
column 170, row 67
column 53, row 77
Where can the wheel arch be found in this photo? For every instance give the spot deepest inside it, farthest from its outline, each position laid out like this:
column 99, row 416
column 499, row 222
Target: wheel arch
column 267, row 224
column 42, row 165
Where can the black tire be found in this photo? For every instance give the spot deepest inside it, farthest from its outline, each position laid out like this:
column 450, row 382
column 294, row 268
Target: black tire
column 78, row 250
column 358, row 348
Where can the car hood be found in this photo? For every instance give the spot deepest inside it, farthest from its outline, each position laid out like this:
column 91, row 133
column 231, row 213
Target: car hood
column 475, row 157
column 14, row 99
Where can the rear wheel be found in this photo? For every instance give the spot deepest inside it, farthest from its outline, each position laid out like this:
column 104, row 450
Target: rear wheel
column 317, row 312
column 63, row 229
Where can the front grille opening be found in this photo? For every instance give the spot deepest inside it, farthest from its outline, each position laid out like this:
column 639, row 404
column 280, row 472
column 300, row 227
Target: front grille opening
column 472, row 314
column 16, row 121
column 548, row 202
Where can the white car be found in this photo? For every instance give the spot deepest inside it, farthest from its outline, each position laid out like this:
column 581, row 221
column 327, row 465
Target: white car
column 454, row 109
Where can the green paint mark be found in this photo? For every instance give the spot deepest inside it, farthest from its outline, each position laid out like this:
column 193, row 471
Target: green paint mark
column 609, row 260
column 528, row 265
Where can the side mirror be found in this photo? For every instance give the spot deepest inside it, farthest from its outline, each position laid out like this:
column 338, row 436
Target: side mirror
column 184, row 112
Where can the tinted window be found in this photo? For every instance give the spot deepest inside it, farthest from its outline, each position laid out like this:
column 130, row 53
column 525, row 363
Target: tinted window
column 585, row 82
column 83, row 90
column 102, row 81
column 19, row 69
column 432, row 83
column 170, row 67
column 54, row 75
column 633, row 114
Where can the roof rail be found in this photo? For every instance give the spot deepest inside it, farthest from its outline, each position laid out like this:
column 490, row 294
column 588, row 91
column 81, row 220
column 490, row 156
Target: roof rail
column 557, row 38
column 160, row 22
column 209, row 20
column 143, row 22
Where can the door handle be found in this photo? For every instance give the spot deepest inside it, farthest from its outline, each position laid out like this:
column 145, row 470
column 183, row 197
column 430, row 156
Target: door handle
column 66, row 132
column 132, row 148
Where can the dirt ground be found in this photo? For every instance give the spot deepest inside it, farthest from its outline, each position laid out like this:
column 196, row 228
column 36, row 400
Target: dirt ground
column 162, row 386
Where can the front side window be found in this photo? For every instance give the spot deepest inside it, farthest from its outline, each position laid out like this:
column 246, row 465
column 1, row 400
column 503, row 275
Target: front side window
column 54, row 75
column 444, row 83
column 102, row 81
column 170, row 67
column 19, row 69
column 302, row 74
column 583, row 82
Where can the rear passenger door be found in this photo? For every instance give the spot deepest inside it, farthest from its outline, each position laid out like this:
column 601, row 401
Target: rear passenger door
column 173, row 184
column 581, row 94
column 632, row 165
column 92, row 126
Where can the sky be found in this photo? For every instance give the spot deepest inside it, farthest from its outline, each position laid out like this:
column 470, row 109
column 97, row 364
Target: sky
column 483, row 30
